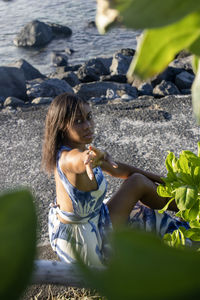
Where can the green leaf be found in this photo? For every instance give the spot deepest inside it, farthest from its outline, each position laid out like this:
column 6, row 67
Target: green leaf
column 171, row 165
column 184, row 214
column 183, row 164
column 193, row 234
column 194, row 224
column 158, row 47
column 161, row 211
column 140, row 14
column 194, row 48
column 164, row 191
column 196, row 176
column 18, row 242
column 186, row 197
column 196, row 95
column 194, row 211
column 142, row 260
column 191, row 157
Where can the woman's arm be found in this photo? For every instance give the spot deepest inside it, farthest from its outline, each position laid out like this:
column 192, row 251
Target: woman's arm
column 118, row 169
column 124, row 171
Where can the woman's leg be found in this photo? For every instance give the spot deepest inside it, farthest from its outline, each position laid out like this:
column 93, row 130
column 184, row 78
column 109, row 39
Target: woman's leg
column 136, row 187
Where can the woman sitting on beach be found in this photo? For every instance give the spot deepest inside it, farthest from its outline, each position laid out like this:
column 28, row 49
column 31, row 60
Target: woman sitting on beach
column 79, row 219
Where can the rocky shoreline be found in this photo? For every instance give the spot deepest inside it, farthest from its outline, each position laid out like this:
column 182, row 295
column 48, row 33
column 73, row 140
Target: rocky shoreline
column 99, row 80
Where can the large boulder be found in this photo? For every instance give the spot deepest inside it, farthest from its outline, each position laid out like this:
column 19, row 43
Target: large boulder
column 47, row 88
column 30, row 72
column 12, row 83
column 59, row 30
column 99, row 89
column 34, row 34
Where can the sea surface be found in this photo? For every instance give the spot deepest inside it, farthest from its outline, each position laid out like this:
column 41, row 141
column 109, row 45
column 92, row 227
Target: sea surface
column 76, row 14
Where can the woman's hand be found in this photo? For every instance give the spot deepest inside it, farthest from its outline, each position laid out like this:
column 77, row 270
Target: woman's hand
column 94, row 158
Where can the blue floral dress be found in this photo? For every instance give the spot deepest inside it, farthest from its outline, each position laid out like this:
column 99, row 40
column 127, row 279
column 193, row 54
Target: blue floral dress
column 90, row 222
column 88, row 225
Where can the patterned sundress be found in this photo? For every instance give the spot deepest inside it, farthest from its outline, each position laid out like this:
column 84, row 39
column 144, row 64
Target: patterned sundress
column 89, row 224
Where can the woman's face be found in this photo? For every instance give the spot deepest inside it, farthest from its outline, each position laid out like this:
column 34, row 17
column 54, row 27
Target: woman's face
column 81, row 132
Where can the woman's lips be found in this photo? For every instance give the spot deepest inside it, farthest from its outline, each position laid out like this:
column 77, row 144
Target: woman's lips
column 89, row 135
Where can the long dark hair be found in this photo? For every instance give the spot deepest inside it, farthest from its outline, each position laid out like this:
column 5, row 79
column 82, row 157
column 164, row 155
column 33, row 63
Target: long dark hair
column 61, row 112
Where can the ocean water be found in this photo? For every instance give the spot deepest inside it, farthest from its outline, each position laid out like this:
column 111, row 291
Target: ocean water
column 76, row 14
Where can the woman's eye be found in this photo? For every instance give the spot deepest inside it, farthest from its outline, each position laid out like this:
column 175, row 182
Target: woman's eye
column 78, row 121
column 89, row 117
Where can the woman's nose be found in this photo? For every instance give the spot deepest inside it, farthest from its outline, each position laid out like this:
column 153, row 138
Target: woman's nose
column 87, row 124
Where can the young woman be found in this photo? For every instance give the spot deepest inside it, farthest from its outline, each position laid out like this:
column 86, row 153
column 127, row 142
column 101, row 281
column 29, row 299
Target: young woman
column 79, row 219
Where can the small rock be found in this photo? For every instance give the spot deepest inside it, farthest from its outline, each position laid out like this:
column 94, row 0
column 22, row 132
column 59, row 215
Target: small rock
column 185, row 64
column 70, row 77
column 14, row 102
column 73, row 68
column 110, row 94
column 69, row 51
column 91, row 24
column 42, row 100
column 145, row 89
column 115, row 78
column 184, row 80
column 121, row 61
column 106, row 61
column 182, row 54
column 126, row 97
column 165, row 88
column 59, row 59
column 127, row 51
column 91, row 70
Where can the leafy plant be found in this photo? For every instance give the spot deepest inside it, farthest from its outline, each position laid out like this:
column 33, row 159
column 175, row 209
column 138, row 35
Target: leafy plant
column 18, row 242
column 168, row 28
column 182, row 185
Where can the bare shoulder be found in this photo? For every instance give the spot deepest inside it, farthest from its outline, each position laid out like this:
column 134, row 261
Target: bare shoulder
column 68, row 159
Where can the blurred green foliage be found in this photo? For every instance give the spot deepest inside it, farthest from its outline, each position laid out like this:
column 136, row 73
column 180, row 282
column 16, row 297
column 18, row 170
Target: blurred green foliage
column 17, row 242
column 143, row 267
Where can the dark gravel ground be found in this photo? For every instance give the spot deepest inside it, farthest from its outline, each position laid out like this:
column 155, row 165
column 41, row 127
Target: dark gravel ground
column 139, row 132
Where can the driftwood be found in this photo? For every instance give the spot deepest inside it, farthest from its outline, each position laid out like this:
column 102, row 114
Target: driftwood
column 55, row 272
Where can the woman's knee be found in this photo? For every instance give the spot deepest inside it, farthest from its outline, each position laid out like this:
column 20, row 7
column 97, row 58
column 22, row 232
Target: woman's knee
column 137, row 179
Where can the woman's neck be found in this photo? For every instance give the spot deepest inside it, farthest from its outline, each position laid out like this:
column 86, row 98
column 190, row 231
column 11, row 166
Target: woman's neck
column 75, row 145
